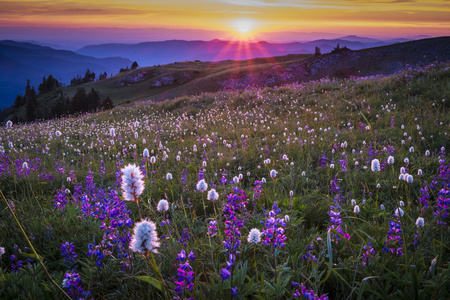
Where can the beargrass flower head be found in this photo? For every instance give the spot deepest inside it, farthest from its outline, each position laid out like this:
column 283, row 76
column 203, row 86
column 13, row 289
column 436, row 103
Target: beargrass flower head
column 145, row 237
column 382, row 206
column 402, row 203
column 152, row 160
column 169, row 176
column 212, row 195
column 254, row 236
column 9, row 124
column 25, row 165
column 427, row 153
column 145, row 153
column 112, row 132
column 420, row 172
column 390, row 160
column 132, row 182
column 332, row 166
column 2, row 251
column 375, row 166
column 202, row 186
column 58, row 133
column 163, row 205
column 356, row 209
column 235, row 180
column 353, row 202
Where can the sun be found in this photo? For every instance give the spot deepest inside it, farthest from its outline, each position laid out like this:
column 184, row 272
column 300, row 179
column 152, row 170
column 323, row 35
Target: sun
column 243, row 26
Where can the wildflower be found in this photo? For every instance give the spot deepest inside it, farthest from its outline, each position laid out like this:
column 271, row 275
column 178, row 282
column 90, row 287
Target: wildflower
column 235, row 180
column 375, row 165
column 409, row 179
column 286, row 218
column 263, row 180
column 378, row 185
column 399, row 212
column 353, row 202
column 58, row 133
column 356, row 209
column 202, row 185
column 152, row 160
column 145, row 238
column 9, row 124
column 163, row 205
column 136, row 135
column 145, row 153
column 402, row 170
column 25, row 165
column 331, row 166
column 67, row 252
column 411, row 149
column 254, row 236
column 2, row 251
column 420, row 222
column 427, row 153
column 273, row 173
column 406, row 160
column 382, row 207
column 72, row 283
column 212, row 195
column 402, row 203
column 420, row 172
column 112, row 132
column 303, row 173
column 169, row 176
column 132, row 182
column 390, row 160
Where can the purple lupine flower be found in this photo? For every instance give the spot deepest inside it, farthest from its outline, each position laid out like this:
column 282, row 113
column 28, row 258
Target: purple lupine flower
column 68, row 253
column 72, row 283
column 393, row 240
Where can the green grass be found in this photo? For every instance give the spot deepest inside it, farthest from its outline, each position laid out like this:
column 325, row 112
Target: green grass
column 240, row 130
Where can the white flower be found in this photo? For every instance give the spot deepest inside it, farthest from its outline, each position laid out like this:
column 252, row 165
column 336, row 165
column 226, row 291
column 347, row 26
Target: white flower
column 356, row 209
column 67, row 191
column 58, row 133
column 152, row 160
column 2, row 250
column 254, row 236
column 145, row 237
column 303, row 173
column 132, row 182
column 112, row 132
column 353, row 202
column 163, row 205
column 382, row 207
column 212, row 195
column 375, row 165
column 409, row 179
column 332, row 166
column 169, row 176
column 291, row 193
column 263, row 180
column 402, row 203
column 273, row 173
column 427, row 153
column 9, row 124
column 411, row 149
column 406, row 160
column 402, row 170
column 378, row 185
column 401, row 177
column 202, row 185
column 390, row 160
column 145, row 153
column 204, row 163
column 420, row 222
column 419, row 172
column 235, row 180
column 399, row 212
column 287, row 219
column 25, row 165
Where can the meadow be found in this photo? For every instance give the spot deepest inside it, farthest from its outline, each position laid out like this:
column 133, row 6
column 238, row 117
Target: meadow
column 334, row 189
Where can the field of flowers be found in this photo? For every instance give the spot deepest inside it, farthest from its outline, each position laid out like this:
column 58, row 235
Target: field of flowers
column 330, row 189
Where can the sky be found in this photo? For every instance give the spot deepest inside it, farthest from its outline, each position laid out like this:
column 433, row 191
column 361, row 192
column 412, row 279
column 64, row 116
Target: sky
column 286, row 20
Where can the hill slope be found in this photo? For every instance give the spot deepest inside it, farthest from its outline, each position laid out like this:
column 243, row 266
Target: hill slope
column 22, row 61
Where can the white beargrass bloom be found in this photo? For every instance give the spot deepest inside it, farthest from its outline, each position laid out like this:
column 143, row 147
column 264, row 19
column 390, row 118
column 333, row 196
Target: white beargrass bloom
column 202, row 185
column 212, row 195
column 420, row 222
column 332, row 166
column 390, row 160
column 411, row 149
column 132, row 182
column 382, row 207
column 356, row 209
column 145, row 153
column 263, row 180
column 353, row 202
column 112, row 132
column 58, row 133
column 152, row 160
column 287, row 218
column 427, row 153
column 169, row 176
column 145, row 238
column 2, row 250
column 25, row 165
column 375, row 165
column 420, row 172
column 254, row 236
column 402, row 203
column 291, row 193
column 163, row 205
column 406, row 160
column 402, row 170
column 136, row 135
column 9, row 124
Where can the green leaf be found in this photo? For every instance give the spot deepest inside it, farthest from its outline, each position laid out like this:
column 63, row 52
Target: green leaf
column 151, row 280
column 363, row 283
column 329, row 247
column 33, row 256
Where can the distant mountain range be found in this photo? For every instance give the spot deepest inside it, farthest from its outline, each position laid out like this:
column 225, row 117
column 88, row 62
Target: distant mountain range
column 22, row 61
column 156, row 53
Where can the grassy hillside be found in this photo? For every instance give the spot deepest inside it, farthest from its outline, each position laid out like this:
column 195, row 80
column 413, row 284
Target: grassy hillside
column 348, row 180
